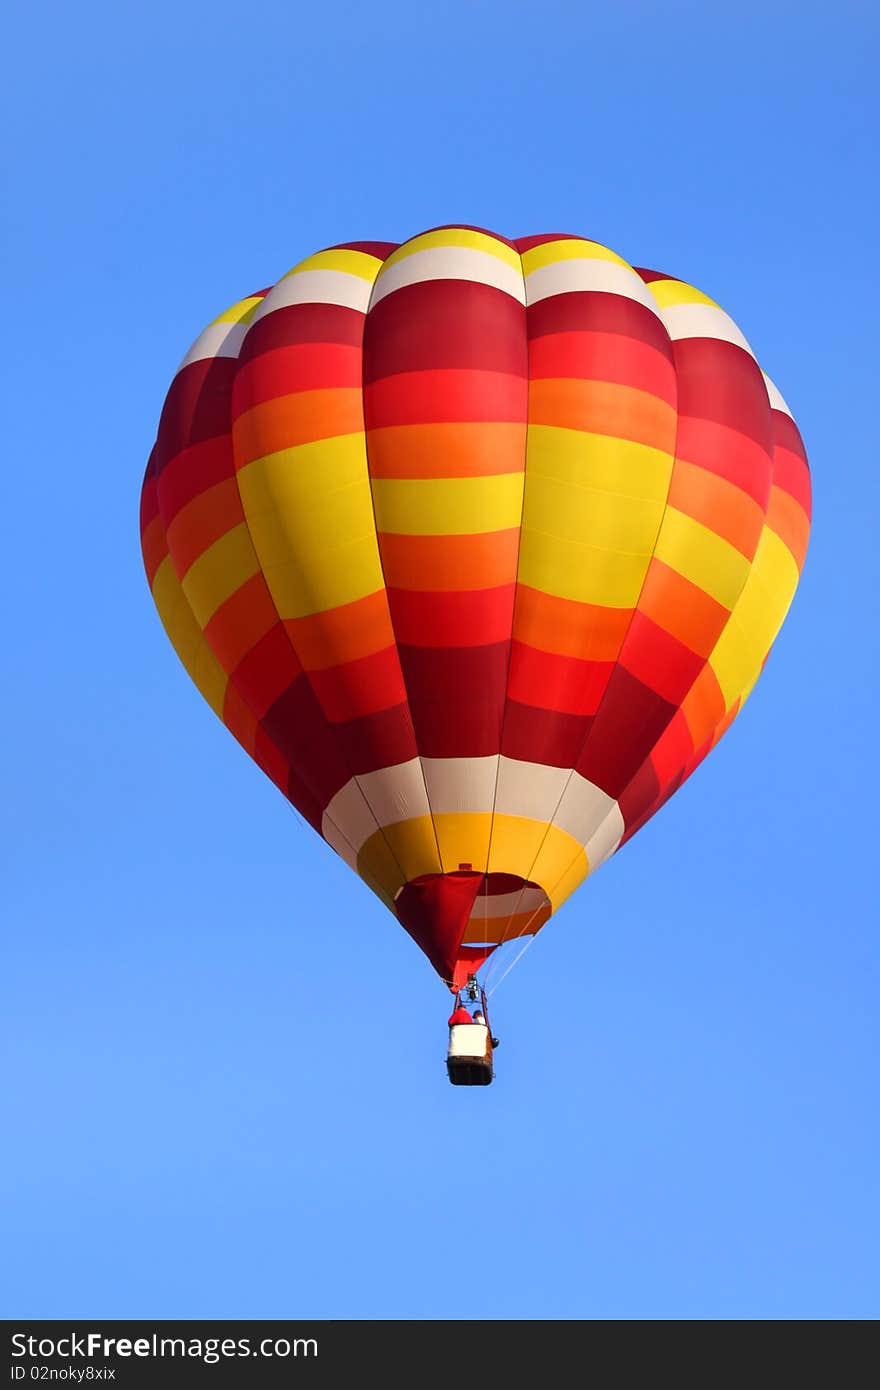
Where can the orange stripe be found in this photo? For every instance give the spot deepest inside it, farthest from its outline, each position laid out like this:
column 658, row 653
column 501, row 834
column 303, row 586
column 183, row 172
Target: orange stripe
column 718, row 505
column 446, row 450
column 703, row 706
column 298, row 419
column 202, row 522
column 603, row 407
column 340, row 635
column 154, row 546
column 682, row 609
column 435, row 563
column 788, row 519
column 241, row 622
column 568, row 628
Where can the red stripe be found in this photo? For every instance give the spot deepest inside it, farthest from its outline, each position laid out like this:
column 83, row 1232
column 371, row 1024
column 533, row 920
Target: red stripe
column 445, row 323
column 380, row 249
column 658, row 660
column 377, row 740
column 303, row 323
column 562, row 683
column 629, row 722
column 193, row 471
column 454, row 618
column 720, row 381
column 597, row 312
column 456, row 696
column 533, row 735
column 603, row 357
column 728, row 453
column 360, row 687
column 299, row 731
column 302, row 367
column 418, row 398
column 196, row 407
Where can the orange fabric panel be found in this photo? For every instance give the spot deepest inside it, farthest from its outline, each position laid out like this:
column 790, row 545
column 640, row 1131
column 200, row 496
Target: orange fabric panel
column 603, row 407
column 447, row 449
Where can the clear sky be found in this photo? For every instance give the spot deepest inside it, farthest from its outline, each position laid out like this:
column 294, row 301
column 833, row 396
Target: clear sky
column 700, row 1138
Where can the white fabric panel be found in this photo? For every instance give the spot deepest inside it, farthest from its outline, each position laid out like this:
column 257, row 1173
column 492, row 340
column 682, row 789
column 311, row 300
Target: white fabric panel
column 583, row 809
column 604, row 841
column 702, row 321
column 776, row 401
column 348, row 816
column 529, row 789
column 450, row 263
column 218, row 340
column 460, row 784
column 395, row 793
column 317, row 287
column 566, row 277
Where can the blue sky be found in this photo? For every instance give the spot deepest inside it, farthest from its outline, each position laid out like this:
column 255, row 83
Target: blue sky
column 700, row 1140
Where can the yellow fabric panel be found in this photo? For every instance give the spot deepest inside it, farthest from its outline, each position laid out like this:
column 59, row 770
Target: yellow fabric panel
column 377, row 866
column 187, row 638
column 593, row 517
column 411, row 844
column 568, row 250
column 609, row 578
column 218, row 572
column 240, row 312
column 455, row 236
column 670, row 292
column 463, row 837
column 359, row 263
column 599, row 461
column 701, row 556
column 448, row 506
column 310, row 514
column 757, row 618
column 517, row 848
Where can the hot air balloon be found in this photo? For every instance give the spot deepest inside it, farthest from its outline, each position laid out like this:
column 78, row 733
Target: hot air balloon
column 477, row 547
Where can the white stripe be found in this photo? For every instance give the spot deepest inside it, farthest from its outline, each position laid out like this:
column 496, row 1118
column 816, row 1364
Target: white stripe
column 460, row 785
column 395, row 794
column 568, row 277
column 316, row 287
column 776, row 401
column 702, row 321
column 583, row 810
column 348, row 817
column 529, row 789
column 450, row 263
column 218, row 340
column 602, row 844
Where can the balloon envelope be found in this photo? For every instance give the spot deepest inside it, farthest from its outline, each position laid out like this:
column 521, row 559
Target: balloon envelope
column 477, row 547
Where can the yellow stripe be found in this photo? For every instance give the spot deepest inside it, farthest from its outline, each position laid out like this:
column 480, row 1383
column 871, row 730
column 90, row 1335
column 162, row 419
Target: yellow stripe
column 757, row 618
column 609, row 578
column 568, row 250
column 670, row 292
column 701, row 556
column 186, row 637
column 448, row 506
column 310, row 514
column 598, row 461
column 241, row 312
column 592, row 516
column 358, row 263
column 218, row 572
column 455, row 236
